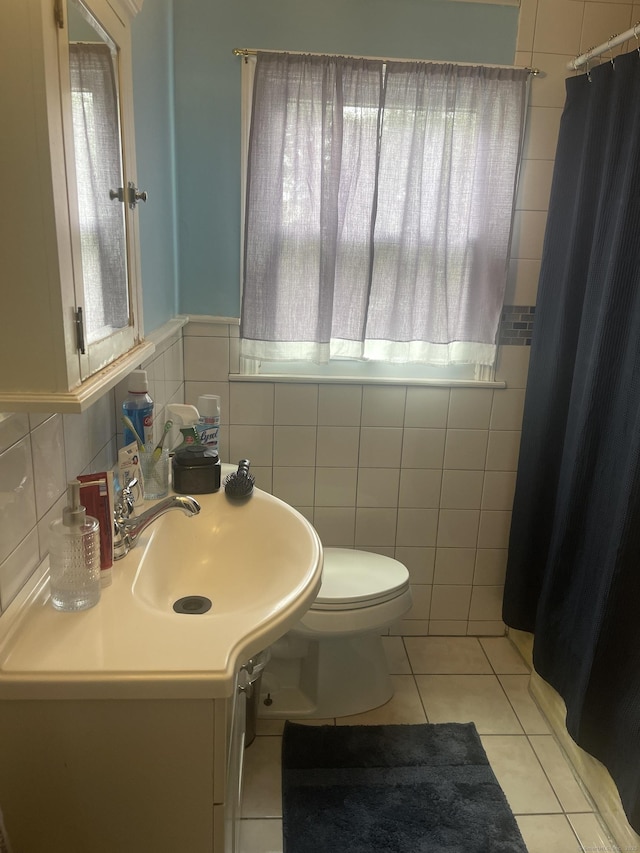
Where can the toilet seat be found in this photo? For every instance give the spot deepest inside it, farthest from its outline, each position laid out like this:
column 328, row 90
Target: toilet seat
column 352, row 580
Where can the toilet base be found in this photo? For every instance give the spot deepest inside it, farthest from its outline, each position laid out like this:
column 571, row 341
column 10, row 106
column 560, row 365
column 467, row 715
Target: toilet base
column 321, row 679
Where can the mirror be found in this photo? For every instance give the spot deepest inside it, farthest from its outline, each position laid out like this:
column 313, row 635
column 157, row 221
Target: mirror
column 95, row 108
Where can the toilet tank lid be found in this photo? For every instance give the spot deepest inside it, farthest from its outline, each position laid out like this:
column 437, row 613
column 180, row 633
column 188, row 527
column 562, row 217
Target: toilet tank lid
column 357, row 576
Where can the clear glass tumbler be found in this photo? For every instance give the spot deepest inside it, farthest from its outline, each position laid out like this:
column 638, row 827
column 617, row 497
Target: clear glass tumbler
column 155, row 473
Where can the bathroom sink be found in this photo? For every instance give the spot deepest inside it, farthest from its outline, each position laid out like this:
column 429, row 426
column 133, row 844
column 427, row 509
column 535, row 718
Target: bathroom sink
column 242, row 556
column 258, row 561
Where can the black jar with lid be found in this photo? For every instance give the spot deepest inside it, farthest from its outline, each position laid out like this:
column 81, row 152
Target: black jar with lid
column 196, row 470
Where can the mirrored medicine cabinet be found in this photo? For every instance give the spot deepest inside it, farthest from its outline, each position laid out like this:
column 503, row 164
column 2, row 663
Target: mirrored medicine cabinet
column 69, row 236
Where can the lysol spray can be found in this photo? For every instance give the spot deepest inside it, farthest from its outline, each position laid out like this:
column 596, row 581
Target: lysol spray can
column 208, row 426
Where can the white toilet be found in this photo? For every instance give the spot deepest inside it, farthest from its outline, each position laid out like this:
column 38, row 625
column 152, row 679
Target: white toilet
column 332, row 663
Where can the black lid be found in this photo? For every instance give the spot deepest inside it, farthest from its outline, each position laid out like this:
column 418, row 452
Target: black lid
column 196, row 456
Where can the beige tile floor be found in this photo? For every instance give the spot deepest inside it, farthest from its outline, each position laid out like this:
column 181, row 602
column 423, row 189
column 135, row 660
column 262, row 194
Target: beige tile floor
column 454, row 679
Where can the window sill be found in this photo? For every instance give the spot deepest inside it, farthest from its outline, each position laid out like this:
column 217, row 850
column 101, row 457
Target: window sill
column 301, row 379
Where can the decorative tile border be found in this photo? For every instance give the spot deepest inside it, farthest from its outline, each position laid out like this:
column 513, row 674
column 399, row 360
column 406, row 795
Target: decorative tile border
column 516, row 325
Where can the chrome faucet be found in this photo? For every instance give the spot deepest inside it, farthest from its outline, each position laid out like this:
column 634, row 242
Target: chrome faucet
column 126, row 529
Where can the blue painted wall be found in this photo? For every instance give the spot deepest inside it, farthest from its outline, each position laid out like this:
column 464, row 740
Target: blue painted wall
column 155, row 155
column 206, row 77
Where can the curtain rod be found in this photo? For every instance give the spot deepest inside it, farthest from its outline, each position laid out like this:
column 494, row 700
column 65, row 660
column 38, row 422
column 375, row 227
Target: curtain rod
column 246, row 51
column 614, row 41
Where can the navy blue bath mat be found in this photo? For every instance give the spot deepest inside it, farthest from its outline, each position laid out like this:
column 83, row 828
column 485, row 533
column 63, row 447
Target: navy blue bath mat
column 424, row 788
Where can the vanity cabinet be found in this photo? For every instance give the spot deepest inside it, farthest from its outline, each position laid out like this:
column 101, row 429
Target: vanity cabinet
column 71, row 319
column 100, row 776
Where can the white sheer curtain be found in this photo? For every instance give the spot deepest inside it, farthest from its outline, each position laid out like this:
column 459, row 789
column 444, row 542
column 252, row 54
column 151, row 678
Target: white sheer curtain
column 96, row 138
column 378, row 209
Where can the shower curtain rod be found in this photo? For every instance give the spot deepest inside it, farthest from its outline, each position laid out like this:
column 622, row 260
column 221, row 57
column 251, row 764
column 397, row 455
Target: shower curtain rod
column 247, row 51
column 614, row 41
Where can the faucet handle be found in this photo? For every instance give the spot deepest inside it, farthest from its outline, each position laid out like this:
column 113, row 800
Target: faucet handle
column 126, row 501
column 130, row 485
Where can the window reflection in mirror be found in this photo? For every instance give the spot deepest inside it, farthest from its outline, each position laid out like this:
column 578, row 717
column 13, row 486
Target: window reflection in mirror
column 93, row 61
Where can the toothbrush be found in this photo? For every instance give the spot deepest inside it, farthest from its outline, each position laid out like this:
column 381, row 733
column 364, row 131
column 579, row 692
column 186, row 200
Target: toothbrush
column 126, row 420
column 157, row 453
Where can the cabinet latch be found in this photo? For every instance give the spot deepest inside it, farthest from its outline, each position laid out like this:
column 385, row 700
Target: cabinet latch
column 80, row 331
column 135, row 195
column 132, row 195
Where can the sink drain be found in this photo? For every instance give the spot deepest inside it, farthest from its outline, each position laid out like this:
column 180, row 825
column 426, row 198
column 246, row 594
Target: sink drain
column 193, row 604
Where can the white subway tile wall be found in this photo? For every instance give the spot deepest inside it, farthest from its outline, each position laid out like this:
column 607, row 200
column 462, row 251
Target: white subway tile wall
column 420, row 473
column 39, row 453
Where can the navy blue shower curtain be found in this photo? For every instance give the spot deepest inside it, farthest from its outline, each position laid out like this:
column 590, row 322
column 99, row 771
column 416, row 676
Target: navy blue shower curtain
column 573, row 575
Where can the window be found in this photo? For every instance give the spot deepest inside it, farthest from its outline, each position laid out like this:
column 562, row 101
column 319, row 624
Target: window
column 379, row 203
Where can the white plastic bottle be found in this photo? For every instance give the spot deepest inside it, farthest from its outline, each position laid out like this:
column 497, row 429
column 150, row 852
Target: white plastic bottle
column 208, row 425
column 74, row 556
column 138, row 407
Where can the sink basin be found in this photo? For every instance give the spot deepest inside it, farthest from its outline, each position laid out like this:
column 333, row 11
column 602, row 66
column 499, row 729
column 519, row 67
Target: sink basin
column 242, row 556
column 259, row 562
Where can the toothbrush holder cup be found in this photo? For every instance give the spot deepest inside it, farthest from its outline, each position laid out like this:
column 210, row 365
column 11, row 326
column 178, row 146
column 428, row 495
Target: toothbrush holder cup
column 155, row 472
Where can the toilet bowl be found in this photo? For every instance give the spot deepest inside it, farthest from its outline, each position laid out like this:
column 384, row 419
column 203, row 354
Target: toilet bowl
column 332, row 663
